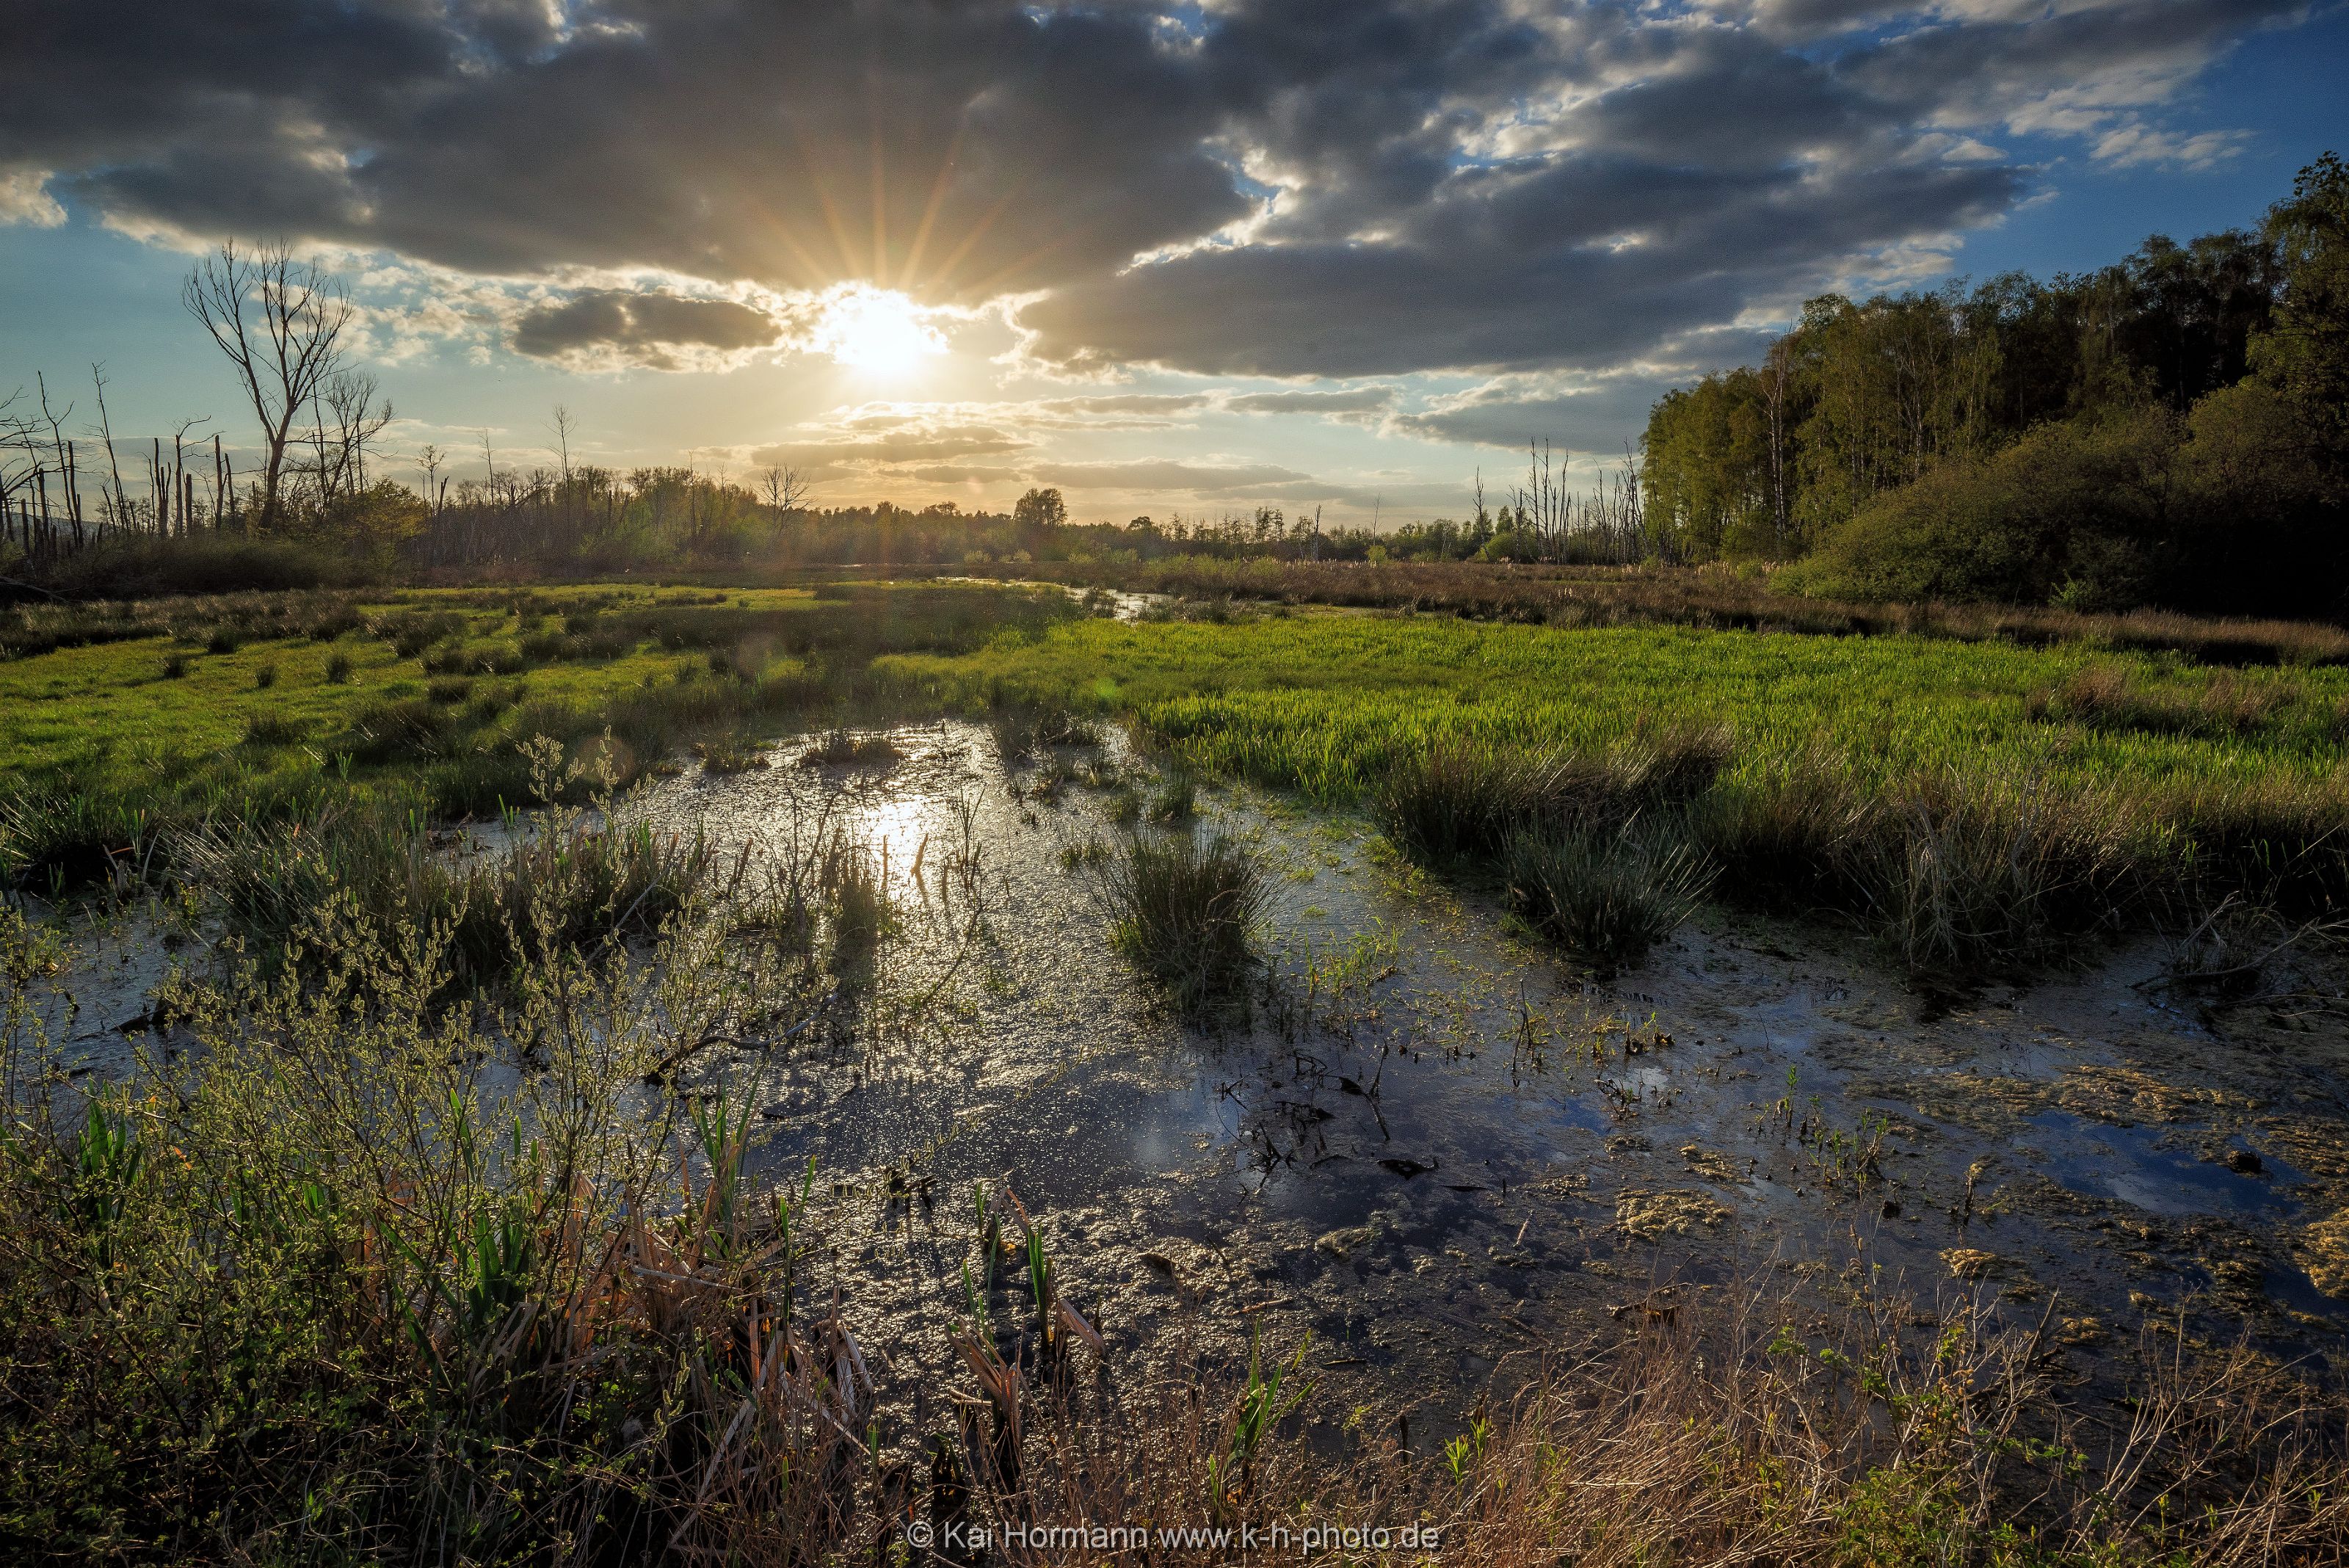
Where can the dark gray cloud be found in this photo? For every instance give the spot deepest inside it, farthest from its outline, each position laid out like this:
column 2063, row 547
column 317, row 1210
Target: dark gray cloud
column 960, row 147
column 911, row 445
column 1269, row 187
column 643, row 328
column 1512, row 416
column 1359, row 400
column 1171, row 474
column 1127, row 403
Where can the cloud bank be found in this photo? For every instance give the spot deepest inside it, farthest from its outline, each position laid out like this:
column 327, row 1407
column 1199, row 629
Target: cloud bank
column 1541, row 194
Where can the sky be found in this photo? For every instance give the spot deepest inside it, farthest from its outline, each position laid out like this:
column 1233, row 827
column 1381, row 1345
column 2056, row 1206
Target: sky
column 1171, row 258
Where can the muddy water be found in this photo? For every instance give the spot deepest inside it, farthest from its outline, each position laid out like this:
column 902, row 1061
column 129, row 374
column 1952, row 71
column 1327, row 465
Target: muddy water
column 1436, row 1147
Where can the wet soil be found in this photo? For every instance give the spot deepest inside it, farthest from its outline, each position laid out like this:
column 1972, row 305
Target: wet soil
column 1437, row 1147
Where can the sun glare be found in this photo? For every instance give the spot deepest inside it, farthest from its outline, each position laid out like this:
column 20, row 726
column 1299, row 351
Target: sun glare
column 879, row 332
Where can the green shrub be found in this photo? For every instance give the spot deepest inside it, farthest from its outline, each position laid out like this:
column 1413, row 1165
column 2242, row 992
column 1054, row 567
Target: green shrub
column 2227, row 509
column 2078, row 508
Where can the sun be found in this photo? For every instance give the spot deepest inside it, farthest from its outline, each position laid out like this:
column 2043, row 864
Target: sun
column 877, row 331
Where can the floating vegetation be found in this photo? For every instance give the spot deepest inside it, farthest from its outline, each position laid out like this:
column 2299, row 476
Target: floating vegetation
column 729, row 755
column 844, row 747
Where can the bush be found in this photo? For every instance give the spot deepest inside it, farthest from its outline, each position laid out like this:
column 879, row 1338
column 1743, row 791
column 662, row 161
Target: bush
column 2225, row 511
column 339, row 669
column 143, row 568
column 2075, row 509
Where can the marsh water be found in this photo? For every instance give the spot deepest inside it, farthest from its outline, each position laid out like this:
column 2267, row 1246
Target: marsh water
column 1436, row 1145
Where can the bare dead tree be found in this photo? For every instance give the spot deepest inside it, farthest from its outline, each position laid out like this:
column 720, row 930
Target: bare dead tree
column 113, row 505
column 349, row 415
column 786, row 490
column 280, row 322
column 562, row 425
column 69, row 479
column 183, row 483
column 430, row 460
column 17, row 476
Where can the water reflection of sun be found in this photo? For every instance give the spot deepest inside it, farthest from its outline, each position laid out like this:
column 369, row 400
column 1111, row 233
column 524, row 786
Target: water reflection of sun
column 895, row 828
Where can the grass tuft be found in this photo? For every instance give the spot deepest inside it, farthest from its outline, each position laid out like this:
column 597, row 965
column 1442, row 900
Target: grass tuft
column 1185, row 910
column 729, row 755
column 560, row 887
column 1604, row 894
column 1176, row 799
column 273, row 729
column 844, row 747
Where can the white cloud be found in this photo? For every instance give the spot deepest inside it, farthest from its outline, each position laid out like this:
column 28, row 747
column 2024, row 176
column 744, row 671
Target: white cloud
column 24, row 199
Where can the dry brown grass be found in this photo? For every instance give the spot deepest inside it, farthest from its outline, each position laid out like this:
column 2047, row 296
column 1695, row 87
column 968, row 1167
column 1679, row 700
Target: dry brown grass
column 2107, row 696
column 1685, row 596
column 1885, row 1437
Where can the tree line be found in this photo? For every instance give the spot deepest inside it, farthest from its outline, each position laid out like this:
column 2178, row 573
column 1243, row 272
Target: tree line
column 315, row 476
column 2168, row 429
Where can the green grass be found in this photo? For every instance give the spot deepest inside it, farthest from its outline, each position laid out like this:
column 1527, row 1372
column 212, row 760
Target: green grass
column 54, row 706
column 1323, row 702
column 1930, row 788
column 123, row 719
